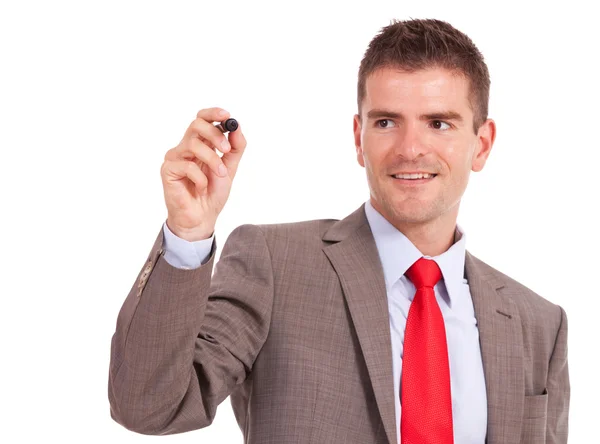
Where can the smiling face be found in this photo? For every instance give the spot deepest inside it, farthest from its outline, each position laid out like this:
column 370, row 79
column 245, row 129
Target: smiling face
column 419, row 122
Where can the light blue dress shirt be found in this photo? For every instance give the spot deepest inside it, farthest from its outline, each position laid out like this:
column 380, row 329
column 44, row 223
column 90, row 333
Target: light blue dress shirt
column 397, row 253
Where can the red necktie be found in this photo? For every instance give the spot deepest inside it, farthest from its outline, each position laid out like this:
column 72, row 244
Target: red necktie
column 426, row 402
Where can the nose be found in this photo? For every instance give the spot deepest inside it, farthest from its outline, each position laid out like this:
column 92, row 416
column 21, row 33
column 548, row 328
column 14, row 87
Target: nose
column 410, row 142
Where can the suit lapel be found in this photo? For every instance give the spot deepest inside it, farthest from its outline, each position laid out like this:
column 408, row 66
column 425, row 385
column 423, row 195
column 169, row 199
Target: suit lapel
column 356, row 261
column 501, row 341
column 354, row 256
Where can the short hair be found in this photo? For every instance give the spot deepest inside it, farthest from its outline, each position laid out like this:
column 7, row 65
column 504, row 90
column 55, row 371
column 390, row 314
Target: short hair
column 412, row 45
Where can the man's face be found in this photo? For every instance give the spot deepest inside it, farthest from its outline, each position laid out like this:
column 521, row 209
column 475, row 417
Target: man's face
column 419, row 122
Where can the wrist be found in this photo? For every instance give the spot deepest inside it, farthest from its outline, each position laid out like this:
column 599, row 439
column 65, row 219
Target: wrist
column 191, row 234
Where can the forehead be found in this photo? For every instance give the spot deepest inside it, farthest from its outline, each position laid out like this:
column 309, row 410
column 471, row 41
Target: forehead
column 393, row 88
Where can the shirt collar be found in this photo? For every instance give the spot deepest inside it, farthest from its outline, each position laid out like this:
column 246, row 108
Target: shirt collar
column 397, row 253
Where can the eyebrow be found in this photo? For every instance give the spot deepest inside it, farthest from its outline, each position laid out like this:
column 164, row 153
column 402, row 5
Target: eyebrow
column 444, row 115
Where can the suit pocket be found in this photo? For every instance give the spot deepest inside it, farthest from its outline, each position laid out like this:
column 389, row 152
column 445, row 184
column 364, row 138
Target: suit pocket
column 536, row 406
column 534, row 419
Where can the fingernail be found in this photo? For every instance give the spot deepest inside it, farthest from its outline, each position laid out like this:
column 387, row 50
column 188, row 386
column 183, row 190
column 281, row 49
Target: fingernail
column 225, row 145
column 222, row 170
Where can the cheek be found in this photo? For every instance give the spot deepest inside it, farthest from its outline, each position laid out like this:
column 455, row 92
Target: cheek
column 370, row 140
column 377, row 146
column 454, row 149
column 457, row 157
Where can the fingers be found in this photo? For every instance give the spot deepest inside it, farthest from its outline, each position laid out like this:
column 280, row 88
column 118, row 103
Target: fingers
column 213, row 114
column 202, row 138
column 208, row 132
column 236, row 139
column 195, row 149
column 176, row 169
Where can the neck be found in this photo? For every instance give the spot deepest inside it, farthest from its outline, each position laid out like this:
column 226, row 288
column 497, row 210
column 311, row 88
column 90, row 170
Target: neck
column 429, row 240
column 431, row 237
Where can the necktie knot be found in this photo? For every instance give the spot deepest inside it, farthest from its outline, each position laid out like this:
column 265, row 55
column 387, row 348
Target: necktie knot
column 424, row 273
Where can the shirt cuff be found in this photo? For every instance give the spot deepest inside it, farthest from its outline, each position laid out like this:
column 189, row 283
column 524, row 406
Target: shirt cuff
column 184, row 254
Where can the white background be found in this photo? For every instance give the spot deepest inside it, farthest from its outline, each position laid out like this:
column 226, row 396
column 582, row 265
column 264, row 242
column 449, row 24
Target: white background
column 92, row 95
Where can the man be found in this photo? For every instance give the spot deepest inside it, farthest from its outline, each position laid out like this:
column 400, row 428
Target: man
column 378, row 328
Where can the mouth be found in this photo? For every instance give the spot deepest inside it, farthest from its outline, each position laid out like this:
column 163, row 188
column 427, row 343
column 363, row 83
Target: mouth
column 416, row 179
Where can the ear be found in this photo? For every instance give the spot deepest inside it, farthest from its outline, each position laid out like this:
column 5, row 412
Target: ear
column 357, row 140
column 485, row 140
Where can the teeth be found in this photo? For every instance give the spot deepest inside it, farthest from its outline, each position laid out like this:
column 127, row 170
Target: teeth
column 413, row 176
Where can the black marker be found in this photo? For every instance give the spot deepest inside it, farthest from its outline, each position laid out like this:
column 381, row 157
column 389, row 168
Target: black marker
column 229, row 125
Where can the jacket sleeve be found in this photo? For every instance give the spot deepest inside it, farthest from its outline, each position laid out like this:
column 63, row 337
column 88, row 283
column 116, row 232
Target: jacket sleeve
column 184, row 339
column 558, row 387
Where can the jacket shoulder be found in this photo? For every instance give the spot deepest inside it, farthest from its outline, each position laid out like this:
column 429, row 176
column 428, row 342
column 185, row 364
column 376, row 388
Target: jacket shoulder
column 305, row 232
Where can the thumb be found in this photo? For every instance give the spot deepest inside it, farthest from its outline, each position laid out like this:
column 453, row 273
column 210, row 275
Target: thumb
column 238, row 146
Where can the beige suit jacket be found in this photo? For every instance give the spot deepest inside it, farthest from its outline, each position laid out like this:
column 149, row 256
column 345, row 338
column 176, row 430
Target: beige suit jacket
column 294, row 325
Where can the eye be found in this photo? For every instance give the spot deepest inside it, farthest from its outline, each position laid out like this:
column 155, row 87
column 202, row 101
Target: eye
column 383, row 120
column 437, row 124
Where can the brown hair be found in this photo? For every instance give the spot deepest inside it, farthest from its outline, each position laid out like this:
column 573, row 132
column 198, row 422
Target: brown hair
column 416, row 44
